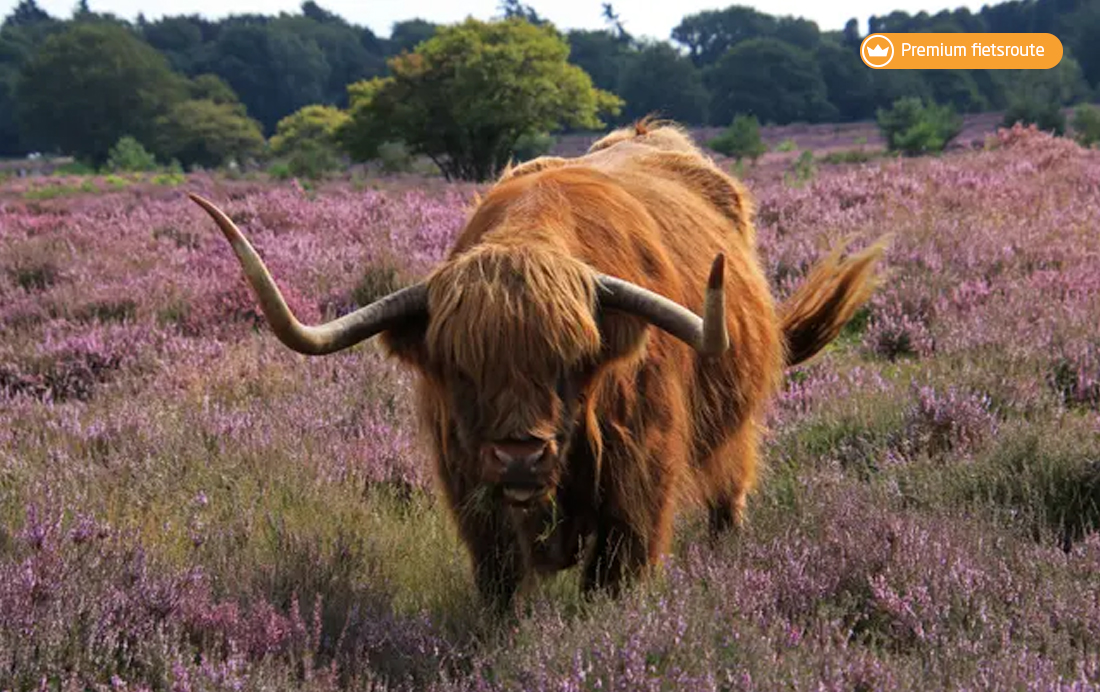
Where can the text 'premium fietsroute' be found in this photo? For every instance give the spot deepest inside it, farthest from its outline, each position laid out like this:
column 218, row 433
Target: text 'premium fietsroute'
column 957, row 51
column 977, row 49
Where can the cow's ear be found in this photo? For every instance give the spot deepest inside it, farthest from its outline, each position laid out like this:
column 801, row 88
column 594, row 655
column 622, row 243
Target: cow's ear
column 623, row 336
column 407, row 342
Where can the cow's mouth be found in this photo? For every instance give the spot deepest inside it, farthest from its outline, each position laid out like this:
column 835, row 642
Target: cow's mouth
column 524, row 496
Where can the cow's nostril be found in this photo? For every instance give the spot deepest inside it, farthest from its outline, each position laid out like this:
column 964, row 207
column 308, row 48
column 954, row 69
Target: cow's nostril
column 515, row 452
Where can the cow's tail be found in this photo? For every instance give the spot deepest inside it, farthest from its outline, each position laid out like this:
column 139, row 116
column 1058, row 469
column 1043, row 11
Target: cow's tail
column 832, row 293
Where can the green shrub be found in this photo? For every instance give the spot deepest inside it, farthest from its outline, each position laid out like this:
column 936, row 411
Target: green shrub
column 394, row 157
column 1045, row 114
column 1086, row 124
column 311, row 160
column 532, row 145
column 803, row 169
column 741, row 139
column 786, row 145
column 914, row 128
column 280, row 170
column 128, row 154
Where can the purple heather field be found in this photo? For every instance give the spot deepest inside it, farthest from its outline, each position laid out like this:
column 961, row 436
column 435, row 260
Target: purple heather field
column 187, row 505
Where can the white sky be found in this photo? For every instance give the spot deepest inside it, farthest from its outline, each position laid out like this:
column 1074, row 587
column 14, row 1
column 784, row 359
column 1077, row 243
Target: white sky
column 641, row 17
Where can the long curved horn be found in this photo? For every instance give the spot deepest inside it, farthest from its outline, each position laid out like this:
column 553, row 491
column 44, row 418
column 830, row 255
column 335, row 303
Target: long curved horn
column 708, row 335
column 367, row 321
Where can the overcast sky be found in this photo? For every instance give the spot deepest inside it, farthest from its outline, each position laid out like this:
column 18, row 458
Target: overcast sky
column 642, row 17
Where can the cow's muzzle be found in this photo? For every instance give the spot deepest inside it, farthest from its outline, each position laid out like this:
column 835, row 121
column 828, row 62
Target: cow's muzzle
column 521, row 467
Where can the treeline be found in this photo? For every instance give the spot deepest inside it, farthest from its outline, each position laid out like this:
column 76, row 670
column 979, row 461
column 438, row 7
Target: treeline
column 188, row 81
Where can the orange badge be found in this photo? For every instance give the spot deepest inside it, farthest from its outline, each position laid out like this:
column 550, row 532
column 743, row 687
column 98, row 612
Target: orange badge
column 961, row 51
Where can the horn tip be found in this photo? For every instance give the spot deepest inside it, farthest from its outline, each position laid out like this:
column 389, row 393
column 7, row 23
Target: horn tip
column 717, row 272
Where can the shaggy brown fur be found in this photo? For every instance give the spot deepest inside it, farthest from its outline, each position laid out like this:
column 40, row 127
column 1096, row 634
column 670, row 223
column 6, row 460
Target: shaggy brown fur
column 517, row 346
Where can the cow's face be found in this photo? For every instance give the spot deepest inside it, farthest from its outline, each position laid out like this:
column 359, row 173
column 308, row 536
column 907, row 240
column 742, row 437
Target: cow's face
column 520, row 431
column 514, row 339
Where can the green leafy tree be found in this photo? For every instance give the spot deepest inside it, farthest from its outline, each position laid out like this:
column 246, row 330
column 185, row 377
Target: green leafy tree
column 274, row 69
column 515, row 8
column 469, row 93
column 407, row 35
column 773, row 80
column 26, row 13
column 1086, row 124
column 914, row 127
column 849, row 85
column 601, row 54
column 182, row 40
column 1037, row 96
column 658, row 79
column 891, row 85
column 346, row 57
column 531, row 146
column 313, row 123
column 91, row 85
column 9, row 128
column 956, row 87
column 202, row 132
column 211, row 87
column 710, row 34
column 614, row 22
column 129, row 155
column 21, row 33
column 1079, row 31
column 1027, row 109
column 741, row 139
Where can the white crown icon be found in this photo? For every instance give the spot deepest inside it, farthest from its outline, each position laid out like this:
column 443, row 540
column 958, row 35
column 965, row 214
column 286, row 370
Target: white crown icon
column 880, row 52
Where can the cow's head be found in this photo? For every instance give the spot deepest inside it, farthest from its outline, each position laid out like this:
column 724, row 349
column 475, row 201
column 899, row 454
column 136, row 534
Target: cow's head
column 511, row 335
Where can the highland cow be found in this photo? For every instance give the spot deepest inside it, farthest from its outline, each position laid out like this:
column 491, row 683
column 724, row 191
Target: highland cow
column 572, row 397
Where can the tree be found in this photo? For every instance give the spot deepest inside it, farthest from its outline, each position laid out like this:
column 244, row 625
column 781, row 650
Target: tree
column 515, row 8
column 956, row 87
column 773, row 80
column 409, row 34
column 740, row 139
column 709, row 34
column 470, row 92
column 614, row 22
column 852, row 36
column 10, row 60
column 311, row 10
column 273, row 68
column 1086, row 124
column 348, row 57
column 308, row 140
column 21, row 33
column 1037, row 96
column 313, row 124
column 26, row 13
column 91, row 85
column 207, row 133
column 180, row 39
column 658, row 79
column 914, row 127
column 128, row 155
column 891, row 85
column 848, row 83
column 211, row 87
column 601, row 54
